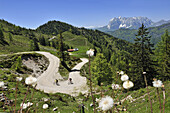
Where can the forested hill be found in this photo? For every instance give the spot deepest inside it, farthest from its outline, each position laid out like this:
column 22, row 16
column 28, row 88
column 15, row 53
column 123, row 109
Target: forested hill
column 129, row 34
column 106, row 43
column 73, row 37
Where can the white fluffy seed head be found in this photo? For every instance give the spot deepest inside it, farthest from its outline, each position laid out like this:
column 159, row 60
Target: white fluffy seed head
column 144, row 72
column 24, row 106
column 29, row 104
column 2, row 84
column 116, row 86
column 97, row 100
column 128, row 84
column 18, row 79
column 157, row 83
column 106, row 103
column 124, row 77
column 121, row 72
column 90, row 52
column 30, row 80
column 45, row 106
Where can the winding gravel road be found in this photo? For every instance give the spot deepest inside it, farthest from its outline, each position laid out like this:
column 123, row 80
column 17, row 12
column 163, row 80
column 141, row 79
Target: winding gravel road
column 46, row 82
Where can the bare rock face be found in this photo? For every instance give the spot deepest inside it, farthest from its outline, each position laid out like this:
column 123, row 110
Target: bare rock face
column 37, row 64
column 130, row 23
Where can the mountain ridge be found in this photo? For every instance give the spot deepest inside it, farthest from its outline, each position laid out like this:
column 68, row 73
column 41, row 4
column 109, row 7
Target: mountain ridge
column 129, row 34
column 130, row 23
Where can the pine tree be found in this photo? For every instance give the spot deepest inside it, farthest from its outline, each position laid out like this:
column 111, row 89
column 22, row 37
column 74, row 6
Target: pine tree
column 1, row 35
column 142, row 58
column 31, row 45
column 42, row 41
column 10, row 37
column 53, row 43
column 163, row 56
column 61, row 46
column 101, row 70
column 36, row 47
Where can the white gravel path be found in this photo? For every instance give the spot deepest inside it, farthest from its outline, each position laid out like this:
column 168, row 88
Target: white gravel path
column 46, row 82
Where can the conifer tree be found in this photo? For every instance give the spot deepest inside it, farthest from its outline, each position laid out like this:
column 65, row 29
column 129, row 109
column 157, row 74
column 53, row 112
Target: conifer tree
column 53, row 43
column 163, row 56
column 101, row 70
column 142, row 58
column 10, row 37
column 36, row 47
column 31, row 45
column 61, row 46
column 42, row 41
column 1, row 35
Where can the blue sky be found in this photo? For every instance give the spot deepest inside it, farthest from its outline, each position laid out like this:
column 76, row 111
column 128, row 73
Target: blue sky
column 32, row 13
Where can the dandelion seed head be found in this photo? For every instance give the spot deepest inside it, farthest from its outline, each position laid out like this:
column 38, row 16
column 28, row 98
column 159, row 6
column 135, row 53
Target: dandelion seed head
column 106, row 103
column 24, row 106
column 124, row 77
column 2, row 84
column 45, row 106
column 30, row 80
column 18, row 79
column 116, row 86
column 90, row 52
column 121, row 72
column 144, row 72
column 128, row 84
column 157, row 83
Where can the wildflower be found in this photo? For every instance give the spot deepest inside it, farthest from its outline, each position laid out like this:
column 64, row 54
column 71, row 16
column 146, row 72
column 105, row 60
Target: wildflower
column 29, row 104
column 106, row 103
column 18, row 78
column 1, row 84
column 91, row 104
column 121, row 72
column 157, row 83
column 24, row 106
column 45, row 106
column 90, row 52
column 128, row 84
column 97, row 100
column 124, row 77
column 55, row 109
column 30, row 80
column 116, row 86
column 144, row 72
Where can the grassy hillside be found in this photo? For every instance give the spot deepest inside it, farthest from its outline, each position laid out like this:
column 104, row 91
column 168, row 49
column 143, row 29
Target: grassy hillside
column 129, row 34
column 73, row 37
column 21, row 38
column 76, row 41
column 103, row 42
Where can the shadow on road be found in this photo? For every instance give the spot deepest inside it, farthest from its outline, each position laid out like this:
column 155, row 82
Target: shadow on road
column 74, row 70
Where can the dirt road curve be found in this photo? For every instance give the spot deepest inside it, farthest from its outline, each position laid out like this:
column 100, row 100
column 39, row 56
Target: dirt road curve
column 46, row 82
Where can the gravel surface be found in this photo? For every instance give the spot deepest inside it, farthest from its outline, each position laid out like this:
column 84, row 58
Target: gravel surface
column 46, row 82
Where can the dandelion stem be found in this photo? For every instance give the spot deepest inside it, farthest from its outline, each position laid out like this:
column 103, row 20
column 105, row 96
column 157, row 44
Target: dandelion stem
column 117, row 109
column 32, row 96
column 125, row 97
column 148, row 92
column 24, row 99
column 101, row 90
column 91, row 86
column 6, row 100
column 159, row 100
column 16, row 96
column 163, row 88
